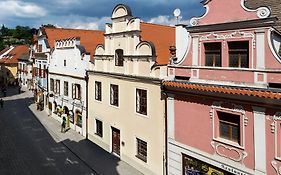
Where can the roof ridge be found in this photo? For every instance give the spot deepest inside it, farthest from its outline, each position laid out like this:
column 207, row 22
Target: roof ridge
column 87, row 30
column 160, row 25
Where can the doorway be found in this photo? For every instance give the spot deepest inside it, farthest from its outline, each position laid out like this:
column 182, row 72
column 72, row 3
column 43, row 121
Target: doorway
column 115, row 141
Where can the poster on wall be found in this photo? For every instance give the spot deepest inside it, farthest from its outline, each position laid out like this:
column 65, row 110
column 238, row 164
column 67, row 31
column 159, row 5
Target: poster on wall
column 192, row 166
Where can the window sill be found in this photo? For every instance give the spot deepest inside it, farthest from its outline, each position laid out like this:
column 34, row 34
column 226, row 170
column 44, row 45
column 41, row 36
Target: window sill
column 117, row 107
column 229, row 143
column 142, row 115
column 141, row 158
column 100, row 135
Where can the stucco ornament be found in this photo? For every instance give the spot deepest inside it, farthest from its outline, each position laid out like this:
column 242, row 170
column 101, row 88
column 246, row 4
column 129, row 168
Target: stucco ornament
column 263, row 12
column 241, row 154
column 194, row 22
column 276, row 167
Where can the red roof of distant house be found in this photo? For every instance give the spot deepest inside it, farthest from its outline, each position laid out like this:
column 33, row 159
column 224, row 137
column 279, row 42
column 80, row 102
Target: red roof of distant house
column 13, row 56
column 88, row 38
column 223, row 89
column 162, row 37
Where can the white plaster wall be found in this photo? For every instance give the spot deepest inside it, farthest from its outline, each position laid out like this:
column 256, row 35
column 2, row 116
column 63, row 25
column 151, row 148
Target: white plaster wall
column 182, row 41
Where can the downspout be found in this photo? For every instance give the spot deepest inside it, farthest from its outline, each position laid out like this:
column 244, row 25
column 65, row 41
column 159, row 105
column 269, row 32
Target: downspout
column 87, row 102
column 165, row 163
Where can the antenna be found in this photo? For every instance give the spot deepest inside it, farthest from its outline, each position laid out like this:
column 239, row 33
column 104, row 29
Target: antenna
column 177, row 13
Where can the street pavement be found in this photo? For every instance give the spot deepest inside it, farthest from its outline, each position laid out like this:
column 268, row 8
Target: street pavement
column 31, row 144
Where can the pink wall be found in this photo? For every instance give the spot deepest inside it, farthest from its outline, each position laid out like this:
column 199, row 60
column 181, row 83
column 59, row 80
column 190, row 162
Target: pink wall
column 217, row 12
column 193, row 127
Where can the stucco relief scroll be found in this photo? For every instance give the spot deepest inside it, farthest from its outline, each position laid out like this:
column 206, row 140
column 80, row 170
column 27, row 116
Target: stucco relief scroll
column 276, row 167
column 235, row 34
column 276, row 117
column 229, row 152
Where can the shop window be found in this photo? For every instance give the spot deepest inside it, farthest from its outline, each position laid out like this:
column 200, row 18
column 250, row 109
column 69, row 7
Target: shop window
column 65, row 88
column 114, row 95
column 213, row 54
column 51, row 84
column 238, row 54
column 79, row 119
column 141, row 150
column 119, row 60
column 195, row 166
column 99, row 127
column 229, row 126
column 141, row 101
column 76, row 91
column 98, row 92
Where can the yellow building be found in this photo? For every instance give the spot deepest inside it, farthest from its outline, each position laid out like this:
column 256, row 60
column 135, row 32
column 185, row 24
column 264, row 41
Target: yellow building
column 126, row 111
column 9, row 63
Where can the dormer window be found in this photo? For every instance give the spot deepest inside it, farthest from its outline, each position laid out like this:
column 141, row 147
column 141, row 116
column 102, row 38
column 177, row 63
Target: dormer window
column 40, row 48
column 238, row 54
column 119, row 57
column 212, row 54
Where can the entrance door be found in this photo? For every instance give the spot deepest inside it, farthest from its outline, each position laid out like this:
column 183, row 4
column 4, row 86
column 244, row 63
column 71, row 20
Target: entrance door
column 116, row 141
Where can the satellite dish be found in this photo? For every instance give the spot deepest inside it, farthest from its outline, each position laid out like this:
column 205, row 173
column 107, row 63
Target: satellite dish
column 177, row 12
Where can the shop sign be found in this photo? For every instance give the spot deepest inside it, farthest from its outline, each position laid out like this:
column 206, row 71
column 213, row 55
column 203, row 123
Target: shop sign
column 232, row 170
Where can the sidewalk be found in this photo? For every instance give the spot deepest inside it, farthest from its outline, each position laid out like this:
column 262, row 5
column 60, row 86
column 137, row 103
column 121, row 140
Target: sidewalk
column 93, row 156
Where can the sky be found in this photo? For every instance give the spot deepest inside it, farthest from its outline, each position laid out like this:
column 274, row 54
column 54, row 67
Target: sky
column 92, row 14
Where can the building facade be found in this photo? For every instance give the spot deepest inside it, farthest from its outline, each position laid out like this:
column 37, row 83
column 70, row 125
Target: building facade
column 126, row 108
column 24, row 73
column 223, row 95
column 67, row 78
column 9, row 63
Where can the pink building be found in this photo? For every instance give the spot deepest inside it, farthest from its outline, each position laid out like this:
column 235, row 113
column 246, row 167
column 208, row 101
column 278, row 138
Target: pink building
column 224, row 94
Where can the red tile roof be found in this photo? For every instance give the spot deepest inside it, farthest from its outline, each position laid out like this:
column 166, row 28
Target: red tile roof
column 162, row 37
column 88, row 38
column 13, row 56
column 224, row 89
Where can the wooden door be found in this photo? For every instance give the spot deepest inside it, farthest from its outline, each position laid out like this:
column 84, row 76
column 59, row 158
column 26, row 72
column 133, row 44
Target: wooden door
column 116, row 141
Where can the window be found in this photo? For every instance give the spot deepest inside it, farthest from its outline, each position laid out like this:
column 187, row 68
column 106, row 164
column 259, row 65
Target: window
column 57, row 88
column 239, row 54
column 65, row 88
column 229, row 126
column 64, row 62
column 79, row 119
column 119, row 57
column 44, row 71
column 98, row 90
column 76, row 91
column 141, row 150
column 141, row 101
column 99, row 128
column 52, row 84
column 114, row 95
column 40, row 48
column 213, row 54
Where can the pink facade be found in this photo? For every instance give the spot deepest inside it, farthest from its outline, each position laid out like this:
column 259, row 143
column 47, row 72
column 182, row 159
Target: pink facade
column 216, row 115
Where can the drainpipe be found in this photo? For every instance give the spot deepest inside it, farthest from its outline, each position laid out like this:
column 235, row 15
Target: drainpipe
column 165, row 163
column 87, row 102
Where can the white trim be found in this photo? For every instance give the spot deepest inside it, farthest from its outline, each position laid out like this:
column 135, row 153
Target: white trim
column 195, row 46
column 271, row 46
column 236, row 109
column 194, row 20
column 260, row 139
column 262, row 12
column 260, row 49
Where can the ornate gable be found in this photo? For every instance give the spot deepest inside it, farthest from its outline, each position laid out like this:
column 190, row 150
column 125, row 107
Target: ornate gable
column 226, row 11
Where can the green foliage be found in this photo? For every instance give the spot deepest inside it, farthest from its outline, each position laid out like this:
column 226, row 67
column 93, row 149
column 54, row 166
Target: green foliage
column 19, row 35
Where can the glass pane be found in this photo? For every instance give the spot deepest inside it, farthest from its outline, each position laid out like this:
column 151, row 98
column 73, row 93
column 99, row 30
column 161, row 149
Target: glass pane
column 233, row 60
column 235, row 133
column 244, row 60
column 224, row 130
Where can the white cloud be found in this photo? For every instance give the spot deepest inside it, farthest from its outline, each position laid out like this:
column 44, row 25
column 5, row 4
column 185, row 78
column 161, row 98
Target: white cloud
column 21, row 9
column 168, row 20
column 81, row 22
column 67, row 2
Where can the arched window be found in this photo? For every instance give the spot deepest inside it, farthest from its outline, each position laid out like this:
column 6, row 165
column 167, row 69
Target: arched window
column 119, row 57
